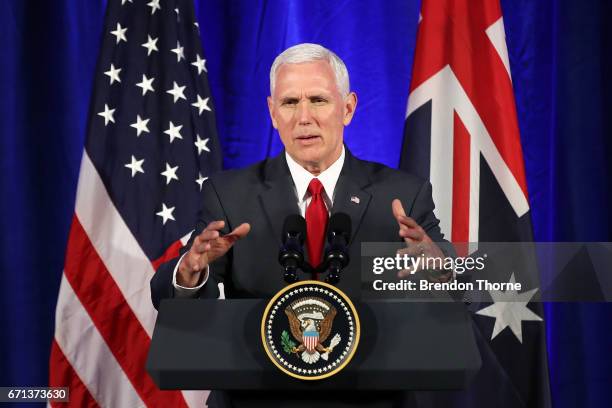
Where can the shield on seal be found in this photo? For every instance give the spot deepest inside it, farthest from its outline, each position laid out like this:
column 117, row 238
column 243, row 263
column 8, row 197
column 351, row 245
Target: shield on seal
column 310, row 339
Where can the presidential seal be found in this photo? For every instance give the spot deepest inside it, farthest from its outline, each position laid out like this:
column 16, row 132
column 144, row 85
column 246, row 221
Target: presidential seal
column 310, row 330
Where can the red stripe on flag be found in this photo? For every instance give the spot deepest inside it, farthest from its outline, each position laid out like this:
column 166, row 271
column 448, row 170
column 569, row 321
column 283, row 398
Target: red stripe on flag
column 452, row 32
column 61, row 374
column 171, row 252
column 461, row 183
column 116, row 322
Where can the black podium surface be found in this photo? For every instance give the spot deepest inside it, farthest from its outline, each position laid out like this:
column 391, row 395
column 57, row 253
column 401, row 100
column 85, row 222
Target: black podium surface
column 216, row 344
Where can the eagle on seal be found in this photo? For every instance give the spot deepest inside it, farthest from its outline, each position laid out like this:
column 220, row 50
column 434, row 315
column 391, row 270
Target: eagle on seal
column 310, row 322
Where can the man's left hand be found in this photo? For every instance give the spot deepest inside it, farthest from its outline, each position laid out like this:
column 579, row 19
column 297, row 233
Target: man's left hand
column 417, row 240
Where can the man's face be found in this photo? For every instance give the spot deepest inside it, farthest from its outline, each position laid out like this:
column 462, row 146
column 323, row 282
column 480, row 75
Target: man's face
column 310, row 114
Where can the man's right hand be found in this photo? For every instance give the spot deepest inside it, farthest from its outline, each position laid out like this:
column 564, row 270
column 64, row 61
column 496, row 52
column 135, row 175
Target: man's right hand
column 206, row 248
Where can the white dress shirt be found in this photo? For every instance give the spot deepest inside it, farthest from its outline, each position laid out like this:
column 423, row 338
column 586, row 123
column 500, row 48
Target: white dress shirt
column 301, row 179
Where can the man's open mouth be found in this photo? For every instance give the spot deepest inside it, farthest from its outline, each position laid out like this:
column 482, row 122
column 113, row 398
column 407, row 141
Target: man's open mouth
column 308, row 137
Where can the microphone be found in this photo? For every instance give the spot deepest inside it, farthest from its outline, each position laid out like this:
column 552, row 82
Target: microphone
column 338, row 237
column 291, row 254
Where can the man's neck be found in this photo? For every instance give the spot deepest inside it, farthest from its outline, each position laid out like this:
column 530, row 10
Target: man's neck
column 329, row 177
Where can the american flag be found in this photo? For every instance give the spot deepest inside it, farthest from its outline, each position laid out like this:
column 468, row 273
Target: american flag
column 462, row 134
column 150, row 145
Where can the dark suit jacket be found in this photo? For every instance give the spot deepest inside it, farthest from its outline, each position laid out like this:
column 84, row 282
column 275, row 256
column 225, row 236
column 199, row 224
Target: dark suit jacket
column 263, row 195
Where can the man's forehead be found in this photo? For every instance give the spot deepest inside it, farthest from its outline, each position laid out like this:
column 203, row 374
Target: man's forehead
column 322, row 64
column 315, row 76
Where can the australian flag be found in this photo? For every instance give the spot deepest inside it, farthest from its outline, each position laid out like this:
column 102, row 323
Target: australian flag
column 462, row 134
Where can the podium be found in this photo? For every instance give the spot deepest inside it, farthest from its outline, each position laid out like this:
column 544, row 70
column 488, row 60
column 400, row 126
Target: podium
column 216, row 345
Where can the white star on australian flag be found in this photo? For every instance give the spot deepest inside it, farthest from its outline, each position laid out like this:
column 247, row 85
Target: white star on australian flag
column 510, row 310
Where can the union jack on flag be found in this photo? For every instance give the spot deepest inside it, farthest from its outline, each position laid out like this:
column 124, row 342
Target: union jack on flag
column 151, row 143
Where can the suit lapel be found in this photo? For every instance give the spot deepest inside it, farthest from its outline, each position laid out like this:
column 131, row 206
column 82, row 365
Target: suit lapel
column 350, row 196
column 278, row 198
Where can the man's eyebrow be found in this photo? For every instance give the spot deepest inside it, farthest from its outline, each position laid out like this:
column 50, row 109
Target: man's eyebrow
column 318, row 96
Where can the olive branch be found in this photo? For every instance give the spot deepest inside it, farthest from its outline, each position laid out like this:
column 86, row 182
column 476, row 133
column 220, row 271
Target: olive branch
column 288, row 345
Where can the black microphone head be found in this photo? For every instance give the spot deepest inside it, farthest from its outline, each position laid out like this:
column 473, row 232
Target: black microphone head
column 339, row 224
column 295, row 226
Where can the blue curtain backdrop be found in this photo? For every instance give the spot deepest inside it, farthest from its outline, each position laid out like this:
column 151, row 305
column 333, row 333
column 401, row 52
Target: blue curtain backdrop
column 561, row 64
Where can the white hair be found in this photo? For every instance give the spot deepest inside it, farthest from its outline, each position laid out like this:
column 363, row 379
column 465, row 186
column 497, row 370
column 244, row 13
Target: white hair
column 308, row 52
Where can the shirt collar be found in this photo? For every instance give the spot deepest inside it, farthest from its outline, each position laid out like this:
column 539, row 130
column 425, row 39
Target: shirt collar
column 301, row 177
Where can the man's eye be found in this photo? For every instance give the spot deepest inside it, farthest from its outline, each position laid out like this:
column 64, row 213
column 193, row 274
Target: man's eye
column 289, row 102
column 318, row 101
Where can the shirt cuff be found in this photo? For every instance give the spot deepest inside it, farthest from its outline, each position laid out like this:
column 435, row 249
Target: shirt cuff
column 182, row 291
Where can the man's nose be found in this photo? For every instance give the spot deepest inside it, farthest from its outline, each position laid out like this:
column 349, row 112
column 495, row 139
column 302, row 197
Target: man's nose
column 304, row 114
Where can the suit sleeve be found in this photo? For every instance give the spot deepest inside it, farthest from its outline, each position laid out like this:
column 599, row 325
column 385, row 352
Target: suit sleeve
column 161, row 283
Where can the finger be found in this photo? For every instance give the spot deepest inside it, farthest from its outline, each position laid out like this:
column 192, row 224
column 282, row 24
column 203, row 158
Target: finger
column 199, row 244
column 405, row 273
column 411, row 250
column 411, row 233
column 214, row 226
column 408, row 221
column 240, row 231
column 201, row 247
column 397, row 208
column 208, row 235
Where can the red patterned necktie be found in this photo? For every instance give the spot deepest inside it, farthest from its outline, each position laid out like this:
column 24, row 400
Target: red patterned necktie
column 316, row 222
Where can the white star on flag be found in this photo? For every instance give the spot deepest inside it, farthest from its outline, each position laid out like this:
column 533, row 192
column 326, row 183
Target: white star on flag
column 177, row 92
column 201, row 144
column 119, row 33
column 140, row 125
column 141, row 201
column 151, row 44
column 107, row 115
column 170, row 173
column 154, row 4
column 135, row 166
column 510, row 310
column 199, row 64
column 113, row 74
column 166, row 213
column 173, row 131
column 200, row 180
column 201, row 104
column 146, row 84
column 180, row 54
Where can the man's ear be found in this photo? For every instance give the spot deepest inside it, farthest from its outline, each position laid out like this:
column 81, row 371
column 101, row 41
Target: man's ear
column 271, row 110
column 350, row 104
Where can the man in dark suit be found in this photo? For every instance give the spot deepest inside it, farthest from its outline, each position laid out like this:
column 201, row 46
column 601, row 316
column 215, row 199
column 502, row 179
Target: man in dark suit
column 238, row 235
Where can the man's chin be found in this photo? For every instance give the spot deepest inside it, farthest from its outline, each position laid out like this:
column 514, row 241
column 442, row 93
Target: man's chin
column 308, row 159
column 307, row 153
